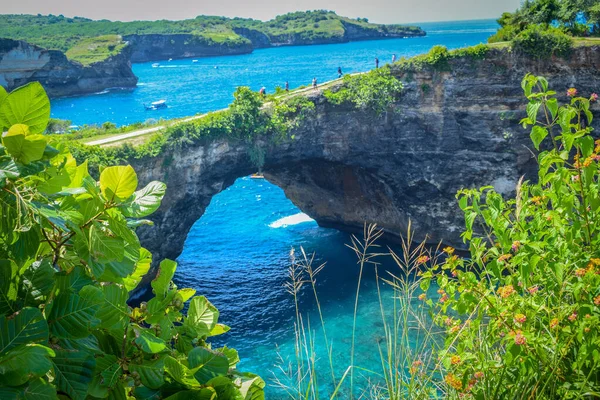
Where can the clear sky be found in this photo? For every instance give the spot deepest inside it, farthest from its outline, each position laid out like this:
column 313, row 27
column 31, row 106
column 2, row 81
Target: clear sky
column 381, row 11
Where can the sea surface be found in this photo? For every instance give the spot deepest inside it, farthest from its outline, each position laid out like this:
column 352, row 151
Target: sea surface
column 238, row 253
column 208, row 84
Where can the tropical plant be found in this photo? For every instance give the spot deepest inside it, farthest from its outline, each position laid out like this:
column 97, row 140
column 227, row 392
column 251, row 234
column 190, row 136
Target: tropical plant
column 541, row 43
column 521, row 313
column 375, row 90
column 69, row 255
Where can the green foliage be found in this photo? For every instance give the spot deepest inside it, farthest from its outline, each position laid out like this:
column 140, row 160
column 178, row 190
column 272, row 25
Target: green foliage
column 90, row 41
column 521, row 312
column 439, row 58
column 91, row 50
column 564, row 14
column 57, row 126
column 542, row 43
column 69, row 255
column 375, row 90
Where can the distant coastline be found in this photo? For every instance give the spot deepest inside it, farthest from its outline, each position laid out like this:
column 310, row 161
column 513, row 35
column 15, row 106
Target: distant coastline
column 73, row 56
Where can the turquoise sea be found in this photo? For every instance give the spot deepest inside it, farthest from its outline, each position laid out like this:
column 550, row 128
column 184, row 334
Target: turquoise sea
column 237, row 254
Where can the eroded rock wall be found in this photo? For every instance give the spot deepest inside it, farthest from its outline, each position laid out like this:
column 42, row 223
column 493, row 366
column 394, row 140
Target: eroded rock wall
column 21, row 63
column 345, row 167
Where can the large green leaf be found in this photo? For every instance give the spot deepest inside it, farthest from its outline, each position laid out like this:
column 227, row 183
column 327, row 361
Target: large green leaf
column 151, row 373
column 39, row 389
column 145, row 201
column 23, row 363
column 39, row 280
column 23, row 146
column 72, row 315
column 118, row 183
column 200, row 394
column 148, row 342
column 8, row 289
column 73, row 281
column 141, row 268
column 27, row 105
column 180, row 372
column 202, row 316
column 208, row 364
column 105, row 248
column 109, row 369
column 251, row 386
column 162, row 282
column 73, row 371
column 27, row 326
column 114, row 309
column 8, row 168
column 3, row 94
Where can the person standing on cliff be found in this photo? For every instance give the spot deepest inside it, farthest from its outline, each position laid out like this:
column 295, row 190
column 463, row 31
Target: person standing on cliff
column 376, row 62
column 287, row 86
column 340, row 73
column 393, row 58
column 315, row 83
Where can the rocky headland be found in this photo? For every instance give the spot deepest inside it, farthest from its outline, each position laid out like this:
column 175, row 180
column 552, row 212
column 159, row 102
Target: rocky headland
column 21, row 62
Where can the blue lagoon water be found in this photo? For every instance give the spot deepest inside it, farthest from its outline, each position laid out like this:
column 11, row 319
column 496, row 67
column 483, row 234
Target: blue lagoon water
column 208, row 84
column 237, row 254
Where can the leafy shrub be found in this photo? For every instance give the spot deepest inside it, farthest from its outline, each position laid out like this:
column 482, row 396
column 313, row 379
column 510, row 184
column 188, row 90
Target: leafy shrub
column 522, row 312
column 69, row 256
column 540, row 43
column 375, row 90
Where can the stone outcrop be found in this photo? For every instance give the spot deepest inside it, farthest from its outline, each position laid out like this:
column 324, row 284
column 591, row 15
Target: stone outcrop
column 448, row 130
column 154, row 47
column 21, row 63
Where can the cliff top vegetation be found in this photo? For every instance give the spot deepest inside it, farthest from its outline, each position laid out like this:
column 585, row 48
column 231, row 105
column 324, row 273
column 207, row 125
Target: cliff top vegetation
column 91, row 50
column 62, row 33
column 578, row 18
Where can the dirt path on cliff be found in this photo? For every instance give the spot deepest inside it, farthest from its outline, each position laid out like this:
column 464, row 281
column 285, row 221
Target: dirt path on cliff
column 130, row 137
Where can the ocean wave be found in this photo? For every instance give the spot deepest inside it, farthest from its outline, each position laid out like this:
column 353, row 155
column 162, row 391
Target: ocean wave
column 291, row 220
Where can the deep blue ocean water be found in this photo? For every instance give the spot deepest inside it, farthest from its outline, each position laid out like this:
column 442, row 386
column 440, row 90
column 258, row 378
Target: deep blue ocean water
column 192, row 88
column 237, row 254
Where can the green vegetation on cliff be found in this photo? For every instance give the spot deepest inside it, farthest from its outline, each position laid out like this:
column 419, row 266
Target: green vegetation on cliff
column 61, row 33
column 574, row 17
column 91, row 50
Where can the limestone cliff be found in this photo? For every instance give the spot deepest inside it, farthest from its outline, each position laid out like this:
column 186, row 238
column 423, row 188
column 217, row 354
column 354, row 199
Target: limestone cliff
column 21, row 62
column 156, row 47
column 448, row 130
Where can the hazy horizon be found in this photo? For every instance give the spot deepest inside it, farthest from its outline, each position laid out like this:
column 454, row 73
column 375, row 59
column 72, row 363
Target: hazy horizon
column 377, row 11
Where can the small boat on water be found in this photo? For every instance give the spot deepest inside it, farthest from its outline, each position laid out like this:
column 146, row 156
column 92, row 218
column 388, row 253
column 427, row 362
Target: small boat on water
column 170, row 59
column 156, row 105
column 194, row 61
column 155, row 65
column 257, row 176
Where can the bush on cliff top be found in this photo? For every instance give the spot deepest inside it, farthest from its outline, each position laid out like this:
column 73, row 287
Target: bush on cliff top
column 69, row 255
column 374, row 90
column 541, row 43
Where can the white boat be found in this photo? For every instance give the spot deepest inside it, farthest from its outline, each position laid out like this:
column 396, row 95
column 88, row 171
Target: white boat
column 155, row 65
column 156, row 105
column 194, row 61
column 170, row 59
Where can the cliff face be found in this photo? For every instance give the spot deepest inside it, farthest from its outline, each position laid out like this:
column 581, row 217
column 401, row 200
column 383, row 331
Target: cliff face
column 345, row 167
column 21, row 62
column 162, row 47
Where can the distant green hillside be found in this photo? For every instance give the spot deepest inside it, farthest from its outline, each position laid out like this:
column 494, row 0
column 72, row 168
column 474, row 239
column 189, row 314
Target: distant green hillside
column 91, row 50
column 61, row 33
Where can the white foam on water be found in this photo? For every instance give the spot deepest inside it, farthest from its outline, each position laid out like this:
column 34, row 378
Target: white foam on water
column 291, row 220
